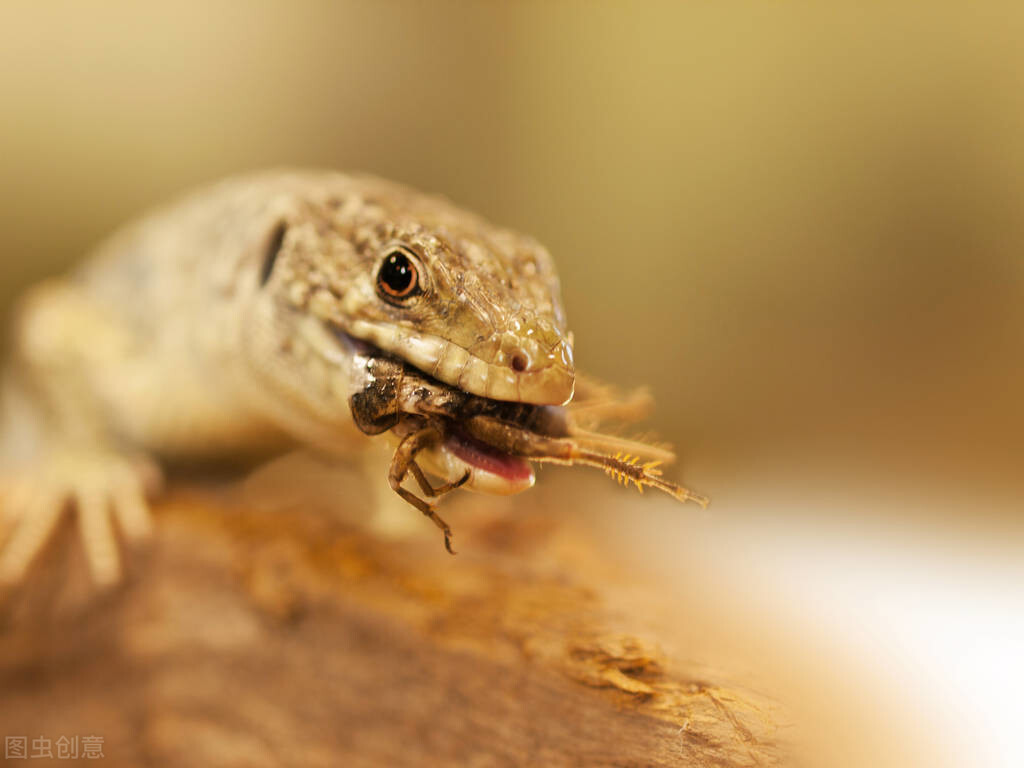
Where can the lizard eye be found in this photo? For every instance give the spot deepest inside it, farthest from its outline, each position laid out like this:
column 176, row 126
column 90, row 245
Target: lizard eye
column 398, row 278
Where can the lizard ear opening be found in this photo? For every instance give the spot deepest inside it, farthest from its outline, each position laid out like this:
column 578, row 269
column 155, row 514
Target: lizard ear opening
column 274, row 243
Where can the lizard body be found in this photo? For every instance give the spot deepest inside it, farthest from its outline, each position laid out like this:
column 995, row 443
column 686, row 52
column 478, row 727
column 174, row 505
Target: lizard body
column 228, row 324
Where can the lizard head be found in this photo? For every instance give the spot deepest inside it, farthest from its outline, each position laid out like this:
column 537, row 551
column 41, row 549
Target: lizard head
column 472, row 305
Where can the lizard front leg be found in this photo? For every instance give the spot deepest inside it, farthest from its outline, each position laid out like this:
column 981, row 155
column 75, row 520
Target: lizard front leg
column 72, row 462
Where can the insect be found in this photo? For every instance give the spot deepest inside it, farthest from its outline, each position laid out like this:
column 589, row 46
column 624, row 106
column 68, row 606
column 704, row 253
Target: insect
column 462, row 435
column 293, row 308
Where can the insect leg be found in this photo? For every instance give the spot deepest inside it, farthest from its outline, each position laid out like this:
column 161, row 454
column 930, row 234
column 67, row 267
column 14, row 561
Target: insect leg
column 402, row 464
column 430, row 490
column 626, row 468
column 623, row 467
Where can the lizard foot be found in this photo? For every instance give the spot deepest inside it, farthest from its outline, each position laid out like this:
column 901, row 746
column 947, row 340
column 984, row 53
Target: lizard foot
column 99, row 487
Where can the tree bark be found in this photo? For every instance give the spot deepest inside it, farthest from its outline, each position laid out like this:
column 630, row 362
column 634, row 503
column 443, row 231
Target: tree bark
column 247, row 637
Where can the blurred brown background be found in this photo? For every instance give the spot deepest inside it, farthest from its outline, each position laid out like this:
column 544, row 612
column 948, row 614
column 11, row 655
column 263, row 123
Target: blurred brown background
column 800, row 226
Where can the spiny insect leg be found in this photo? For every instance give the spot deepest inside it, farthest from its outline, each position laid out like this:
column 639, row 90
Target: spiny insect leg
column 595, row 441
column 625, row 468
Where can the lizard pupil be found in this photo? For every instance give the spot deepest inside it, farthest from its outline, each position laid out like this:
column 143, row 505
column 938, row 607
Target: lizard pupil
column 398, row 277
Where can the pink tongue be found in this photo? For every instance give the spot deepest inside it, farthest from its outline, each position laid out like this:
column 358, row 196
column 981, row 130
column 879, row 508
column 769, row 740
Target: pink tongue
column 489, row 459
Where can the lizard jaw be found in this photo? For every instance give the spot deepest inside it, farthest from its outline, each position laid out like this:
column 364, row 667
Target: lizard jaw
column 546, row 378
column 490, row 469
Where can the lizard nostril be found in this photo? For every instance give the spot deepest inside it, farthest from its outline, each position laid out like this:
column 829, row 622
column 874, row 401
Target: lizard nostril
column 519, row 362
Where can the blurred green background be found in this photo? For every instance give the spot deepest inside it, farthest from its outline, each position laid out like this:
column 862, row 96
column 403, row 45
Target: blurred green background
column 799, row 225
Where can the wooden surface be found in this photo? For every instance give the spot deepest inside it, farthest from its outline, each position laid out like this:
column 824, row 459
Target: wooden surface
column 265, row 638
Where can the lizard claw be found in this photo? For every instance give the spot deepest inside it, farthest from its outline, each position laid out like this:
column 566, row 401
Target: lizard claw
column 100, row 488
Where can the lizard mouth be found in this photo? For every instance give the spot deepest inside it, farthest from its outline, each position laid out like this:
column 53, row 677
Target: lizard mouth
column 490, row 469
column 486, row 457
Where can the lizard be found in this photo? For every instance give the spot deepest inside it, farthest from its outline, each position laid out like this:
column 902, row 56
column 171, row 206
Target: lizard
column 243, row 319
